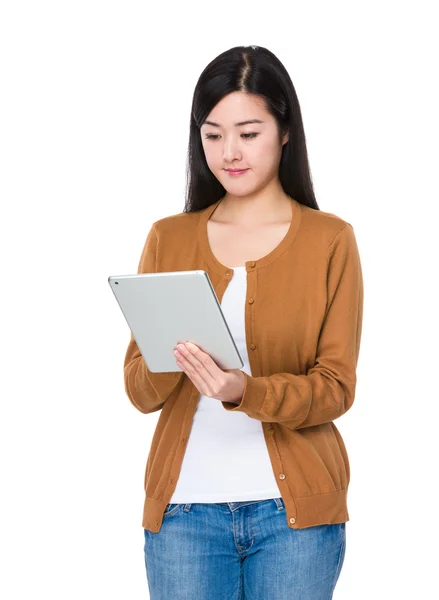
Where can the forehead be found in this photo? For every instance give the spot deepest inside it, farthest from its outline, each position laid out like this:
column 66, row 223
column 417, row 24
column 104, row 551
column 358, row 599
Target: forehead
column 237, row 107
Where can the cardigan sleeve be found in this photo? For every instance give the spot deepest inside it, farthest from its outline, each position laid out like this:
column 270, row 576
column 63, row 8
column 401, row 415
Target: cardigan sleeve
column 147, row 391
column 327, row 390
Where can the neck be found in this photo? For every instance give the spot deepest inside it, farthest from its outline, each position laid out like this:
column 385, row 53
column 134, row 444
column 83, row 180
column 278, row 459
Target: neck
column 260, row 208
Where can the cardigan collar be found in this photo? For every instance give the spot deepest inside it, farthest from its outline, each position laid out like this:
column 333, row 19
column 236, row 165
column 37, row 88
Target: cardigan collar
column 250, row 265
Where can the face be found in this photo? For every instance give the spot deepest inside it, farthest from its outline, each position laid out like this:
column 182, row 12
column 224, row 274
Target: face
column 254, row 147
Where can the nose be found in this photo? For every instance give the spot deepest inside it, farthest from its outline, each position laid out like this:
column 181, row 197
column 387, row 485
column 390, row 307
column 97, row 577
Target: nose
column 231, row 150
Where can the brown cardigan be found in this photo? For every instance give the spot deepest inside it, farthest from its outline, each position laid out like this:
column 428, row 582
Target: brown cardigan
column 303, row 321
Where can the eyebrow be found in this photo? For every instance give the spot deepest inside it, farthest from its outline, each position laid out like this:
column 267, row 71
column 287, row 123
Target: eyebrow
column 248, row 122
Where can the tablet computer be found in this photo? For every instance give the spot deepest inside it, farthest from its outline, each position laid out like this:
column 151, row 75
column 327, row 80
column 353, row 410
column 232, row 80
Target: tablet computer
column 162, row 309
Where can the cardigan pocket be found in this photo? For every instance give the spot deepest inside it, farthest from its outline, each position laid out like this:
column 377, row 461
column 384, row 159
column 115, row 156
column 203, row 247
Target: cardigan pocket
column 343, row 452
column 320, row 463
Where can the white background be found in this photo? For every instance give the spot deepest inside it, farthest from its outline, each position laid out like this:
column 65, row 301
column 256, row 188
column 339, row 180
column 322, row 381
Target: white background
column 95, row 100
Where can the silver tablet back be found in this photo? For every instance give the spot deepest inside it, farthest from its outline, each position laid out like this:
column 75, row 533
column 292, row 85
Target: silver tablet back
column 162, row 309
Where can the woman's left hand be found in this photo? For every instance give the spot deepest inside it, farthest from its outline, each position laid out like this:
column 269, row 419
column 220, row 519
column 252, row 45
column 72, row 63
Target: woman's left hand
column 208, row 378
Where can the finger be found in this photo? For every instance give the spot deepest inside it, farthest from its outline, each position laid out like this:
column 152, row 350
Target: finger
column 197, row 363
column 196, row 356
column 193, row 375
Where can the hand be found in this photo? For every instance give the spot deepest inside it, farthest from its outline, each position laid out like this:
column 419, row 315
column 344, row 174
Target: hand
column 208, row 378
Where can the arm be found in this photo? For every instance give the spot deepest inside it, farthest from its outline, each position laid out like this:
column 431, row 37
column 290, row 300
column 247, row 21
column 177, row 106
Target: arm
column 327, row 391
column 147, row 391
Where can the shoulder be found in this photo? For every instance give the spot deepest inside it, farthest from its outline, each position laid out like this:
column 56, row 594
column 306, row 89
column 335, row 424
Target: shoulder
column 323, row 227
column 176, row 223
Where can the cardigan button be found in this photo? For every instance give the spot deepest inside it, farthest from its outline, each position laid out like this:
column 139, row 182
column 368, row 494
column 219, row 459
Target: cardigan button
column 252, row 346
column 282, row 476
column 251, row 301
column 271, row 431
column 252, row 264
column 292, row 520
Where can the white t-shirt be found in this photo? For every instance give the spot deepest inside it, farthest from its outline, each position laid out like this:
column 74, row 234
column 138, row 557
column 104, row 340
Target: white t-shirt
column 226, row 457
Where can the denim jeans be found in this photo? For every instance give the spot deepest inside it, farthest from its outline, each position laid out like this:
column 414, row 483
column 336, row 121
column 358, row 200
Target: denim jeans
column 241, row 551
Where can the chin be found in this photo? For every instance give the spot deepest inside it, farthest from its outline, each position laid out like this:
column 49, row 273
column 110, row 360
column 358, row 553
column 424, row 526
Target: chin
column 238, row 192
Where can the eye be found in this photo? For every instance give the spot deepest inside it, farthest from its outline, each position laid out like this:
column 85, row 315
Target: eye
column 247, row 136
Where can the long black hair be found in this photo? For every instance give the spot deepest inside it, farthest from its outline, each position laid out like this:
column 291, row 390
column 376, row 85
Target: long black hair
column 254, row 70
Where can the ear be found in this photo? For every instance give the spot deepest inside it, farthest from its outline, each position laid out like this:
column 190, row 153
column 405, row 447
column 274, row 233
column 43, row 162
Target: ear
column 285, row 138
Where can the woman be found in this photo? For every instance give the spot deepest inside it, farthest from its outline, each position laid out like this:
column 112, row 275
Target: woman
column 247, row 475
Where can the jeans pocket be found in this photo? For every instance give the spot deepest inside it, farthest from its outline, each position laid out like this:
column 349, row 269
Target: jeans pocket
column 341, row 554
column 171, row 509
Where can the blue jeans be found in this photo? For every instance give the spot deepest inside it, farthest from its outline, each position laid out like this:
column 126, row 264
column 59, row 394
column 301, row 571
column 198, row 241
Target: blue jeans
column 241, row 551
